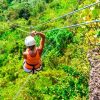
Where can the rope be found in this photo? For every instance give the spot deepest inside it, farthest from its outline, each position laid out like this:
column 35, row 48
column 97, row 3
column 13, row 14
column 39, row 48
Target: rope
column 70, row 26
column 70, row 13
column 75, row 25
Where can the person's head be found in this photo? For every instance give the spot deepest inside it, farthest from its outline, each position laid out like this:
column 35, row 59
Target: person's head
column 30, row 42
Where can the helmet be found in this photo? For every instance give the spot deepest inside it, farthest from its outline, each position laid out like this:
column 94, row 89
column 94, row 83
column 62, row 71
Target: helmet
column 29, row 41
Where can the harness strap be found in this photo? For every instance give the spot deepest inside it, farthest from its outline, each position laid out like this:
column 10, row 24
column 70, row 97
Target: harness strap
column 30, row 64
column 33, row 69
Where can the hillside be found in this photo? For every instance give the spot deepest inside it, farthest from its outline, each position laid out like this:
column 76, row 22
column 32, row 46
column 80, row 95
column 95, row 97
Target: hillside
column 65, row 73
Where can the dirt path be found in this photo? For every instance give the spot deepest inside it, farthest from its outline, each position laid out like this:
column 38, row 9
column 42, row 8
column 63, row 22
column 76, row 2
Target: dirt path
column 94, row 83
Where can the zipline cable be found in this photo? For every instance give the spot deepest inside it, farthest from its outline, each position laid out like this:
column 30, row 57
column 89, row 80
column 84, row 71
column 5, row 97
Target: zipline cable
column 70, row 13
column 70, row 26
column 75, row 25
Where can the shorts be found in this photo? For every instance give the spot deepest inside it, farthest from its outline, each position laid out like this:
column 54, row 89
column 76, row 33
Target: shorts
column 28, row 70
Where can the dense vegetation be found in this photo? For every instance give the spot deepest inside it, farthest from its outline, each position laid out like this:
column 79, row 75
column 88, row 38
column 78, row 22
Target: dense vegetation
column 65, row 73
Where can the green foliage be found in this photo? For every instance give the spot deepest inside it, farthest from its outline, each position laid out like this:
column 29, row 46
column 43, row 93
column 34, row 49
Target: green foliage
column 24, row 13
column 9, row 1
column 39, row 6
column 48, row 1
column 58, row 39
column 65, row 72
column 57, row 84
column 55, row 4
column 98, row 33
column 24, row 9
column 3, row 5
column 50, row 59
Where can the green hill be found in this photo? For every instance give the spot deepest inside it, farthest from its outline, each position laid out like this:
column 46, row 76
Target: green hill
column 65, row 73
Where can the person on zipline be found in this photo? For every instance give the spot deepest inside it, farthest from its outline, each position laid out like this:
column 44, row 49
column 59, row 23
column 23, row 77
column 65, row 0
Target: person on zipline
column 32, row 55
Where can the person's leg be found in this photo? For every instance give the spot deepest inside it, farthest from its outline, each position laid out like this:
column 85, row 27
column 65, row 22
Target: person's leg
column 38, row 69
column 26, row 70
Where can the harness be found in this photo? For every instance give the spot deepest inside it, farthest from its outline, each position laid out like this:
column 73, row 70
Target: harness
column 33, row 69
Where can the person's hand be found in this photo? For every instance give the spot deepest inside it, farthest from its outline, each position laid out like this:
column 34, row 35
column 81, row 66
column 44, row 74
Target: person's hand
column 33, row 33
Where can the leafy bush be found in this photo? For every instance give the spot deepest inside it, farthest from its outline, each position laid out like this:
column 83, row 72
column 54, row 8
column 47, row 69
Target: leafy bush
column 9, row 1
column 48, row 1
column 55, row 5
column 57, row 84
column 24, row 9
column 24, row 13
column 58, row 39
column 38, row 7
column 50, row 59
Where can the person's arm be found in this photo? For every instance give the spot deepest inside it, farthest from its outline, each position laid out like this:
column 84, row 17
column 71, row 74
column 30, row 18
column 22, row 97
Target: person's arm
column 24, row 55
column 42, row 41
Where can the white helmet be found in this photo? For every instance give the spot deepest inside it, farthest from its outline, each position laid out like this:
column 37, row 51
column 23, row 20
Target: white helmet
column 29, row 41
